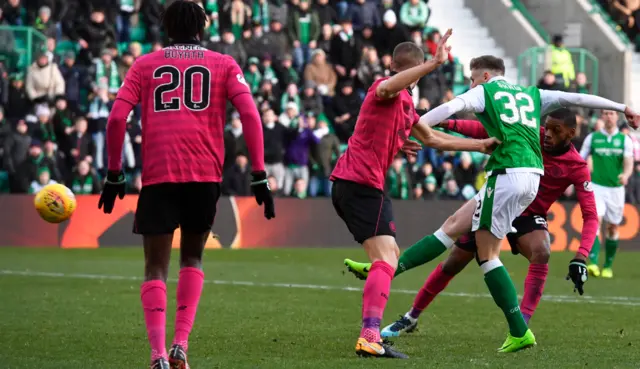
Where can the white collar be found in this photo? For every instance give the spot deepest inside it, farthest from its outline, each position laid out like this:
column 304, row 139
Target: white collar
column 497, row 78
column 604, row 132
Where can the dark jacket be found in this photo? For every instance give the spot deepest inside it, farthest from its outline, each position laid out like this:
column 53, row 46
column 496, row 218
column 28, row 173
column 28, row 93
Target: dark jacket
column 237, row 181
column 235, row 50
column 16, row 149
column 274, row 143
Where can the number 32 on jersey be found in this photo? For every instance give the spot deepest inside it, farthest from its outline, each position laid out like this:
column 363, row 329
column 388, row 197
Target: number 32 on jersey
column 517, row 108
column 187, row 83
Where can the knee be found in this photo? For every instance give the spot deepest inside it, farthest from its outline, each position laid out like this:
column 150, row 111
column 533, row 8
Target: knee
column 451, row 267
column 540, row 256
column 385, row 250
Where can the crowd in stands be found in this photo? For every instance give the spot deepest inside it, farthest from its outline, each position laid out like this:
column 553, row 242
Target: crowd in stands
column 308, row 63
column 626, row 13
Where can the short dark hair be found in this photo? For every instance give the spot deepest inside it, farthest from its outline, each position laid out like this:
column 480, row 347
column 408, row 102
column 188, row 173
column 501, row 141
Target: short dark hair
column 489, row 62
column 406, row 55
column 567, row 117
column 184, row 21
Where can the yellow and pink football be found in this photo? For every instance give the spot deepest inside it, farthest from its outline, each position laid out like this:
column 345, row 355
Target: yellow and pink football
column 55, row 203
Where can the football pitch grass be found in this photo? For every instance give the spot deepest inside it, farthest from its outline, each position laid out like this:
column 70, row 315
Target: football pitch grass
column 295, row 308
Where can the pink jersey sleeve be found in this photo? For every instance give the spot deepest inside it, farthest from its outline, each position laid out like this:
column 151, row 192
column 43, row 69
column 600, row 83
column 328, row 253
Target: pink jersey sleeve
column 469, row 128
column 132, row 86
column 239, row 94
column 584, row 191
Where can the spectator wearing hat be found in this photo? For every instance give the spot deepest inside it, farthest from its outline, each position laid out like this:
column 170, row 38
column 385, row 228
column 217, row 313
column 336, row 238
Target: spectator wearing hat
column 346, row 51
column 311, row 102
column 304, row 31
column 323, row 155
column 297, row 153
column 19, row 103
column 346, row 107
column 75, row 78
column 286, row 73
column 15, row 151
column 414, row 14
column 43, row 22
column 44, row 130
column 278, row 40
column 326, row 13
column 43, row 178
column 228, row 45
column 290, row 117
column 106, row 69
column 94, row 36
column 275, row 138
column 258, row 45
column 44, row 80
column 365, row 13
column 428, row 189
column 290, row 96
column 390, row 34
column 253, row 76
column 321, row 73
column 268, row 72
column 84, row 180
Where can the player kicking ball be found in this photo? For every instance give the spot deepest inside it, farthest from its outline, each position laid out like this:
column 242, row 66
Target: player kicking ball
column 183, row 90
column 386, row 120
column 512, row 114
column 563, row 167
column 611, row 154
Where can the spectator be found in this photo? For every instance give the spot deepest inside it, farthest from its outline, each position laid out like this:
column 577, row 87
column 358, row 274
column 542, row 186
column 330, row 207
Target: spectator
column 45, row 130
column 267, row 70
column 14, row 13
column 28, row 170
column 5, row 133
column 8, row 44
column 240, row 16
column 366, row 37
column 414, row 14
column 53, row 156
column 290, row 96
column 297, row 154
column 321, row 73
column 98, row 115
column 363, row 13
column 346, row 107
column 229, row 46
column 43, row 178
column 44, row 81
column 94, row 36
column 260, row 13
column 369, row 68
column 237, row 180
column 278, row 41
column 267, row 97
column 51, row 51
column 82, row 147
column 286, row 73
column 84, row 180
column 15, row 150
column 63, row 124
column 561, row 62
column 451, row 191
column 239, row 144
column 326, row 13
column 290, row 116
column 549, row 81
column 300, row 189
column 134, row 132
column 19, row 105
column 274, row 144
column 304, row 31
column 323, row 155
column 429, row 188
column 311, row 102
column 123, row 21
column 390, row 34
column 465, row 173
column 326, row 38
column 135, row 49
column 345, row 51
column 273, row 185
column 44, row 24
column 258, row 45
column 398, row 184
column 253, row 77
column 73, row 78
column 106, row 69
column 126, row 62
column 432, row 45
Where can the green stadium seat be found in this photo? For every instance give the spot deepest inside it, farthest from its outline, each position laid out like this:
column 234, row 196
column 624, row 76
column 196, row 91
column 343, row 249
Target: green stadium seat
column 4, row 182
column 65, row 46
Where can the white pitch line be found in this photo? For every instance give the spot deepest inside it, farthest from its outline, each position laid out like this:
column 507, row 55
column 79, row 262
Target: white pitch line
column 601, row 300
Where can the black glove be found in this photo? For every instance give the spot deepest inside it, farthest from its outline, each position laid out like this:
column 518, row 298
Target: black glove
column 115, row 185
column 262, row 192
column 577, row 274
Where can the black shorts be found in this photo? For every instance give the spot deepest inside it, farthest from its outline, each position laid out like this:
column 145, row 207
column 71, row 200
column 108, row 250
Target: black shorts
column 164, row 207
column 523, row 224
column 366, row 210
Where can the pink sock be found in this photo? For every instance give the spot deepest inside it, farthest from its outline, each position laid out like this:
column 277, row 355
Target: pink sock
column 436, row 282
column 154, row 303
column 374, row 299
column 187, row 298
column 533, row 286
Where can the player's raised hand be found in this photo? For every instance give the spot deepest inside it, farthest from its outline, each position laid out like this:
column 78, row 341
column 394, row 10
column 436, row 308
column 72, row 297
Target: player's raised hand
column 262, row 192
column 114, row 186
column 442, row 50
column 489, row 144
column 633, row 119
column 577, row 274
column 411, row 148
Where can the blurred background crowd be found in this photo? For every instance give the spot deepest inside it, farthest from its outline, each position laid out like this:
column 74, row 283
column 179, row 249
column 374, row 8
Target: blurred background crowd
column 308, row 63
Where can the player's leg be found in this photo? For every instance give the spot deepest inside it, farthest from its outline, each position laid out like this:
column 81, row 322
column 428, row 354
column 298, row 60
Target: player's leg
column 437, row 281
column 368, row 214
column 504, row 197
column 613, row 217
column 156, row 219
column 197, row 213
column 599, row 193
column 429, row 247
column 535, row 245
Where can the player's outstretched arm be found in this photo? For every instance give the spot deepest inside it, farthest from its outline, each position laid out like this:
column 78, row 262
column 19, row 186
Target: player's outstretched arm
column 442, row 141
column 552, row 100
column 393, row 86
column 469, row 128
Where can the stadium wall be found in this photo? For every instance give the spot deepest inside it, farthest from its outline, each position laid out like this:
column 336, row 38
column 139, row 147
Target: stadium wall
column 240, row 224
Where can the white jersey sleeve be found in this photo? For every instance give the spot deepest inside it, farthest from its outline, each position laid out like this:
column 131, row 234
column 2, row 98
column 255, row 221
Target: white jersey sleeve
column 554, row 100
column 470, row 101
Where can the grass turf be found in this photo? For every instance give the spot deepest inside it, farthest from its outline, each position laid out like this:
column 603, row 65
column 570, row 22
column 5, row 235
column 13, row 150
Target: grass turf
column 84, row 315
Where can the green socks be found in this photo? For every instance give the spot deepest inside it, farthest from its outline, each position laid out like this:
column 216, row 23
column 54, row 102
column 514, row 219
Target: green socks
column 610, row 248
column 423, row 251
column 504, row 294
column 595, row 251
